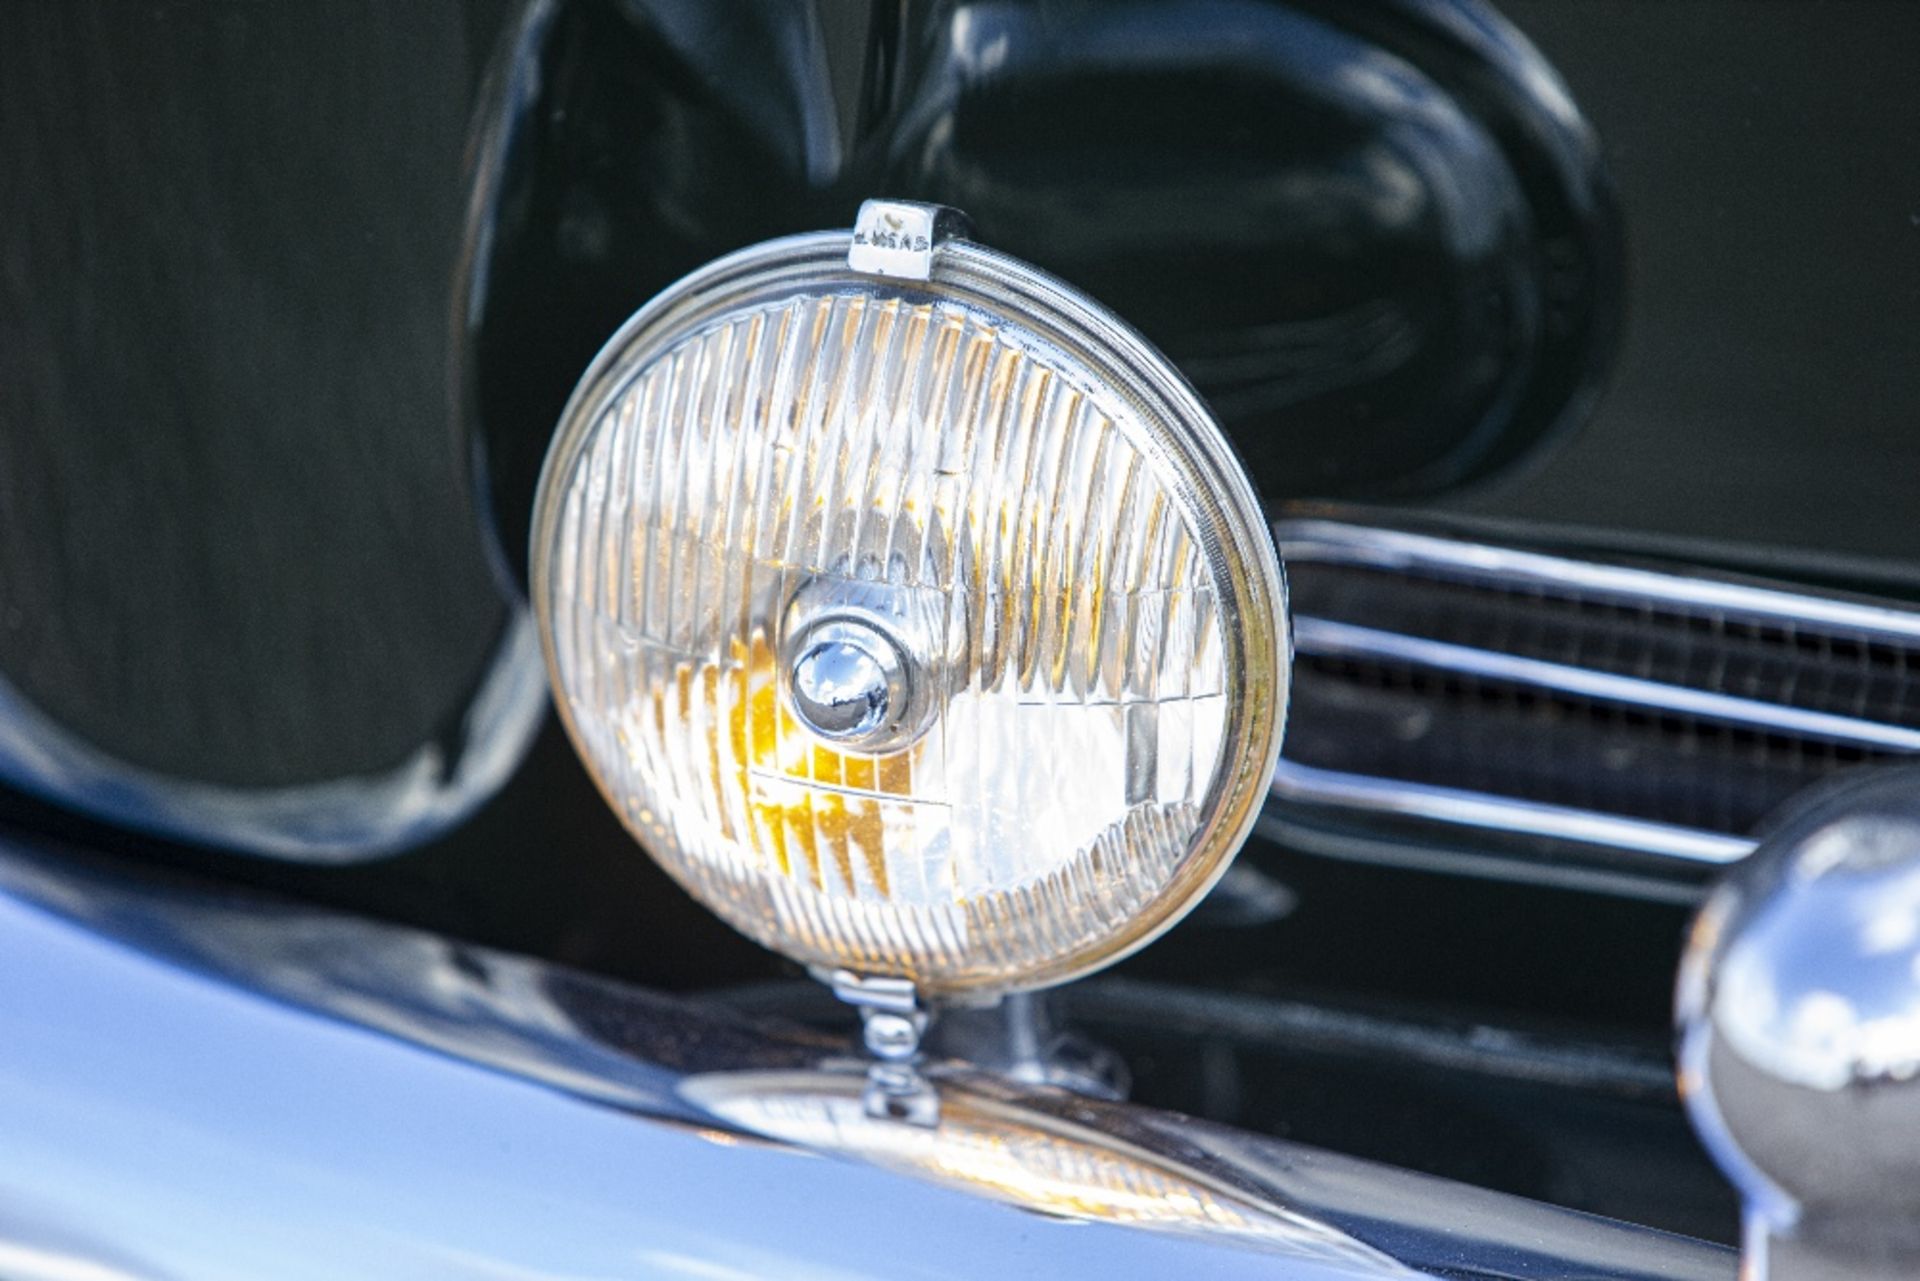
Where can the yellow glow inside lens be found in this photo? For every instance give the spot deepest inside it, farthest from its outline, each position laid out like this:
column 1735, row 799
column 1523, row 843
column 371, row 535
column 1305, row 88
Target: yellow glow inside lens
column 903, row 631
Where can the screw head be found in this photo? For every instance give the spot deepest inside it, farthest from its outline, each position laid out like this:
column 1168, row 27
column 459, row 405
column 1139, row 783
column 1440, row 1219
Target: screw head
column 893, row 1037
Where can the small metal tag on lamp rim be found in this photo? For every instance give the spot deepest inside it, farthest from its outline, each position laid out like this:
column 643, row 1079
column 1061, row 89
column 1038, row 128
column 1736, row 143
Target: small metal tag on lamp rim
column 897, row 238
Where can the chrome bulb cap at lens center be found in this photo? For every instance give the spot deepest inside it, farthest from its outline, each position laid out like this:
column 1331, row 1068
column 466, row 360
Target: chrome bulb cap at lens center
column 848, row 680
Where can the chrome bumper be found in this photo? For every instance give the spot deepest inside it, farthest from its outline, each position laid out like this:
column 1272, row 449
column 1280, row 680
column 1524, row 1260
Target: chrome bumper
column 201, row 1084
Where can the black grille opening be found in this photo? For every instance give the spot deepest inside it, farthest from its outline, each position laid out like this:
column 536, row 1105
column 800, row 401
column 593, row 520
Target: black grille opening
column 1802, row 666
column 1397, row 721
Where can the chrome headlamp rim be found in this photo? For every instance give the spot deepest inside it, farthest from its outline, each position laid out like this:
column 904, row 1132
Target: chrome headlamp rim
column 1164, row 418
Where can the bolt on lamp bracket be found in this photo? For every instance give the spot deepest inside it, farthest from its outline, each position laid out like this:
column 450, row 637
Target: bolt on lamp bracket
column 893, row 1023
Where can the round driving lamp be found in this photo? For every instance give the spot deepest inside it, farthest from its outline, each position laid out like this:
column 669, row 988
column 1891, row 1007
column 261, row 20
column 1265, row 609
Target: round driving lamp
column 910, row 609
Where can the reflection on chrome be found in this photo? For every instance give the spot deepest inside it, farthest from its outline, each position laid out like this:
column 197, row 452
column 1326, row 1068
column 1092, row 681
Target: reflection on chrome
column 1011, row 1152
column 1799, row 1017
column 1848, row 902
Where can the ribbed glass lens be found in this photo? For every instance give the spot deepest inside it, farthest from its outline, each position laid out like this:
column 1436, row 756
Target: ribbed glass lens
column 890, row 630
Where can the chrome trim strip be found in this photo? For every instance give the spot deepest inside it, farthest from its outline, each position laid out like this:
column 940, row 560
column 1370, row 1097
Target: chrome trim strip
column 1332, row 542
column 1304, row 783
column 1347, row 640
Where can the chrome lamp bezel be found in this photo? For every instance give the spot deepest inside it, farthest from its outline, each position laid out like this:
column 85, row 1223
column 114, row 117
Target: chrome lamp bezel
column 1164, row 418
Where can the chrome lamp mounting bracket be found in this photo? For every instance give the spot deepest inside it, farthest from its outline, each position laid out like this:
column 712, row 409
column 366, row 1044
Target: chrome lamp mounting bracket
column 893, row 1023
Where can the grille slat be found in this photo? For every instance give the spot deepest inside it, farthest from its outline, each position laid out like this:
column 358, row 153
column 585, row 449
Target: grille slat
column 1615, row 716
